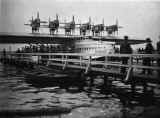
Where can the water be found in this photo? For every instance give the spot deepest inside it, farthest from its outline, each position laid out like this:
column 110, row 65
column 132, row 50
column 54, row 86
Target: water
column 16, row 93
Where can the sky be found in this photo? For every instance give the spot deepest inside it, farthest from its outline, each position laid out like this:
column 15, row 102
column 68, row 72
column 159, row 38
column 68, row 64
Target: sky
column 140, row 19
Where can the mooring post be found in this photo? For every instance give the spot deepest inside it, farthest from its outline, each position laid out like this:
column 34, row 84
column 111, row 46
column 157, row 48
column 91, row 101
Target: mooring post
column 107, row 84
column 144, row 86
column 81, row 81
column 105, row 79
column 133, row 86
column 91, row 83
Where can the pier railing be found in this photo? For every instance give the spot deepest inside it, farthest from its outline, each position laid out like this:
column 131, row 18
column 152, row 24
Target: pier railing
column 111, row 63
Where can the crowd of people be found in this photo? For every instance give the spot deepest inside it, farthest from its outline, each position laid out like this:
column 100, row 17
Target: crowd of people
column 125, row 48
column 42, row 48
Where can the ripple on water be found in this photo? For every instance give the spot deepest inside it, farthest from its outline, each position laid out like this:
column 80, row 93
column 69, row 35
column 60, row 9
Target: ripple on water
column 98, row 109
column 20, row 95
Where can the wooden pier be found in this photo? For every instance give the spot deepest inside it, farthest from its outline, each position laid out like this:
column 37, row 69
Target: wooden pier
column 109, row 67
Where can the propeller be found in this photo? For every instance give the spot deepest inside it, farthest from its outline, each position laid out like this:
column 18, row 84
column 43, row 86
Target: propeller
column 89, row 23
column 73, row 18
column 56, row 16
column 103, row 21
column 117, row 26
column 65, row 20
column 80, row 23
column 38, row 15
column 49, row 20
column 116, row 21
column 89, row 20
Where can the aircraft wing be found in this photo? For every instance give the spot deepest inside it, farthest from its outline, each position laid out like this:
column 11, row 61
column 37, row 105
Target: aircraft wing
column 78, row 24
column 62, row 23
column 44, row 26
column 43, row 22
column 118, row 40
column 67, row 23
column 61, row 27
column 77, row 27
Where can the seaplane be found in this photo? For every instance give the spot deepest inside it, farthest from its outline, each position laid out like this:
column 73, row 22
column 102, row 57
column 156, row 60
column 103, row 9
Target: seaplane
column 82, row 43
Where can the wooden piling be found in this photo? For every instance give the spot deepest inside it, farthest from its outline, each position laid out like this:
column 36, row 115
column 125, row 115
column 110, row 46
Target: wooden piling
column 144, row 87
column 133, row 86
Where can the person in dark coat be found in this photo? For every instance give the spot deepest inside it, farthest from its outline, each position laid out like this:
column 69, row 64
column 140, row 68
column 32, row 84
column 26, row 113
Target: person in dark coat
column 147, row 60
column 4, row 55
column 4, row 52
column 125, row 48
column 158, row 60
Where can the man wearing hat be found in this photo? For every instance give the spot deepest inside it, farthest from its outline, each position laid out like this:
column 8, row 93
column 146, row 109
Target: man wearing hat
column 158, row 52
column 125, row 48
column 147, row 60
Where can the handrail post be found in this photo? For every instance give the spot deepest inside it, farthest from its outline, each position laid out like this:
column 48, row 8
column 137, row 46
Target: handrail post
column 38, row 60
column 130, row 70
column 130, row 61
column 106, row 61
column 89, row 65
column 65, row 62
column 80, row 60
column 49, row 56
column 66, row 57
column 62, row 59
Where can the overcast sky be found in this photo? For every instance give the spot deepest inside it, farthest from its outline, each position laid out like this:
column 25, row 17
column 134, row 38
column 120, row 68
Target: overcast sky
column 139, row 19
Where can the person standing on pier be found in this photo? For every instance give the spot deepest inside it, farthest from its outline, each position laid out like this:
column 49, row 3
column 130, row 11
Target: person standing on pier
column 147, row 60
column 125, row 48
column 158, row 52
column 4, row 55
column 4, row 52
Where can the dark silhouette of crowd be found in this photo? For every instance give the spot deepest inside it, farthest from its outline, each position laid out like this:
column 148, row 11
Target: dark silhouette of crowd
column 147, row 60
column 158, row 60
column 43, row 48
column 125, row 48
